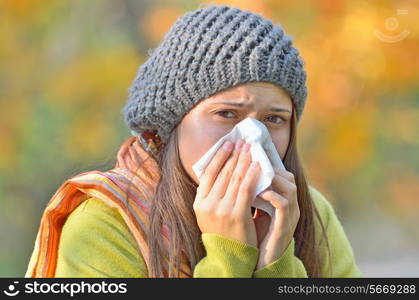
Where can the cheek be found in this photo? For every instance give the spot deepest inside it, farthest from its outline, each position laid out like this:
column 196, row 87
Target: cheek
column 281, row 141
column 195, row 139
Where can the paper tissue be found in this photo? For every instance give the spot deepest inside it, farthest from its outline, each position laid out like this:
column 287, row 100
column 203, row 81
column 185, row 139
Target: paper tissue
column 262, row 150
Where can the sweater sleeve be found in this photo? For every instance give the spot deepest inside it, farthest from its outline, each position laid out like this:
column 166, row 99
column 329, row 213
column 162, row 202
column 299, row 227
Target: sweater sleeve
column 342, row 257
column 96, row 242
column 288, row 265
column 226, row 257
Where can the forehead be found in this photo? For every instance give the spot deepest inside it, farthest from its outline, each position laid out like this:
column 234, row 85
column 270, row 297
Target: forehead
column 258, row 92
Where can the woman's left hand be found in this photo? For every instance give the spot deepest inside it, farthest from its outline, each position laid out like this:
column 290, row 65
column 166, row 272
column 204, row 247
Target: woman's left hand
column 278, row 233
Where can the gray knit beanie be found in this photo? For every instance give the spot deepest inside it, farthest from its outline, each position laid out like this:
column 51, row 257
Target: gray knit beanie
column 204, row 52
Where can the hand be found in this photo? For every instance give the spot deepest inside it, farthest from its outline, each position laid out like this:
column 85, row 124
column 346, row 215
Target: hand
column 275, row 235
column 224, row 194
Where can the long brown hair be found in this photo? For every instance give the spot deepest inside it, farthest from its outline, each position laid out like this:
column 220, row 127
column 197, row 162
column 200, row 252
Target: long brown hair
column 172, row 205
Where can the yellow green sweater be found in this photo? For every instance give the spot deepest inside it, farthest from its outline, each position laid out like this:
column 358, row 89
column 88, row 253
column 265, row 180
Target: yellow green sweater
column 96, row 242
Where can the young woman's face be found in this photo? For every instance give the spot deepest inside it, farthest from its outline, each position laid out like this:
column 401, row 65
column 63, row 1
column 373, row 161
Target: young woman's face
column 215, row 116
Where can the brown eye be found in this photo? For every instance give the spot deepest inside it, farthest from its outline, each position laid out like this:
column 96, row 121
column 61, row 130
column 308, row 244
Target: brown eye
column 279, row 119
column 225, row 114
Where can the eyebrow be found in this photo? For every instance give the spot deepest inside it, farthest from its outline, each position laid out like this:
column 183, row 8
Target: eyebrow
column 239, row 104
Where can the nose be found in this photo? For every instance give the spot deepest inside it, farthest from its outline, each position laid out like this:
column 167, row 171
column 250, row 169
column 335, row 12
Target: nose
column 253, row 115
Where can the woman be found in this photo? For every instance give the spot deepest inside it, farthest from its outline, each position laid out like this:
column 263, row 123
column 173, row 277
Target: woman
column 151, row 217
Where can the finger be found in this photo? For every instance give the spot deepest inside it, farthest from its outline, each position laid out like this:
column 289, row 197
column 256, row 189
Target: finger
column 223, row 178
column 282, row 203
column 283, row 186
column 288, row 175
column 207, row 179
column 239, row 173
column 247, row 188
column 275, row 199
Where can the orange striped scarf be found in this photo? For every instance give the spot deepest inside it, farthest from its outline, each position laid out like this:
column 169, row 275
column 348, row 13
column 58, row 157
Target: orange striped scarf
column 115, row 188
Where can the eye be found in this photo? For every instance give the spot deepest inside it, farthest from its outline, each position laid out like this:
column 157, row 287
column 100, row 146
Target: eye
column 279, row 119
column 225, row 113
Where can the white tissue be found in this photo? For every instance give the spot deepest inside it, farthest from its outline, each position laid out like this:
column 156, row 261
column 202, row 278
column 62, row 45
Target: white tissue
column 262, row 150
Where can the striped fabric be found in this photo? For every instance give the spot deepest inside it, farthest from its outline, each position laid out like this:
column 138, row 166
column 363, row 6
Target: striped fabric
column 119, row 188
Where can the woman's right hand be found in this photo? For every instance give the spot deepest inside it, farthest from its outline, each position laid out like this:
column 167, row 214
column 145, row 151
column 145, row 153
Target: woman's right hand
column 224, row 195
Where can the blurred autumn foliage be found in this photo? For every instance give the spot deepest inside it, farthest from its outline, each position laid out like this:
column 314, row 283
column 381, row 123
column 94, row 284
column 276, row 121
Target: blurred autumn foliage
column 65, row 67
